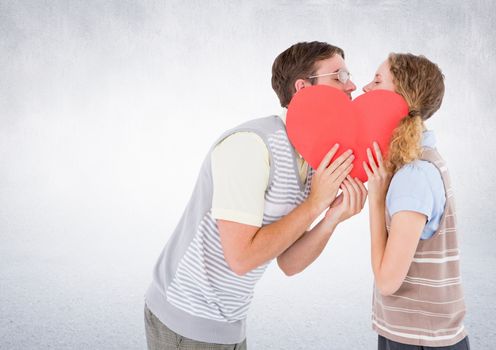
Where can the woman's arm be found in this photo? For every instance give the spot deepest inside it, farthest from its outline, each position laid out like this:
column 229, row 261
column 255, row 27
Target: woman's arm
column 392, row 255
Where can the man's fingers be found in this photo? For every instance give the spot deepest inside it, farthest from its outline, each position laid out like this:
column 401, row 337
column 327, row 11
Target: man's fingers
column 339, row 176
column 363, row 189
column 343, row 160
column 357, row 194
column 352, row 193
column 338, row 200
column 327, row 159
column 346, row 195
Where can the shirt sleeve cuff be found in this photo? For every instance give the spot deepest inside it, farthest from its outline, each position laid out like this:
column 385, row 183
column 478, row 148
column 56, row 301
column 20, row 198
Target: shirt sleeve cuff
column 408, row 203
column 237, row 216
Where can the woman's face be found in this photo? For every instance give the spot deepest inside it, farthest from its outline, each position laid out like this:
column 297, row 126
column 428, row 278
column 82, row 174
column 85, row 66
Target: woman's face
column 383, row 79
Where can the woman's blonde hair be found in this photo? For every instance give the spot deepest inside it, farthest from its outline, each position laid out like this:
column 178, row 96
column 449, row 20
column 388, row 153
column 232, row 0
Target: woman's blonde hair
column 421, row 83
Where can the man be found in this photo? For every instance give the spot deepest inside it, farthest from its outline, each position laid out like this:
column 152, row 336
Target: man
column 254, row 200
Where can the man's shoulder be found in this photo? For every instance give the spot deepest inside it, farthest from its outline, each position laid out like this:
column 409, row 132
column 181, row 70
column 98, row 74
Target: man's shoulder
column 267, row 124
column 260, row 126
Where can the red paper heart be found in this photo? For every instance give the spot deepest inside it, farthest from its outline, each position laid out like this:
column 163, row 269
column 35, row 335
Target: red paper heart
column 320, row 116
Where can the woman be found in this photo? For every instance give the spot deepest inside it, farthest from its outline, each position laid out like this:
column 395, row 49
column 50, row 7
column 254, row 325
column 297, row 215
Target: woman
column 418, row 300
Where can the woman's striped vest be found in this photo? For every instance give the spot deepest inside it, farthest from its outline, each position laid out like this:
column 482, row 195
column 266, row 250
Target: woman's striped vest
column 428, row 309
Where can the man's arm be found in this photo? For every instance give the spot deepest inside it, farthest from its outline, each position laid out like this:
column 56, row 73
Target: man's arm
column 311, row 244
column 247, row 247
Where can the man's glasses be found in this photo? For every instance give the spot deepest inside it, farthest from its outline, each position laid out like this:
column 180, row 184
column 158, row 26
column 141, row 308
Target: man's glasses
column 343, row 75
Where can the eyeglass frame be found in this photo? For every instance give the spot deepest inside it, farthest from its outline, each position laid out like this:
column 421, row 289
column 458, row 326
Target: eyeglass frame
column 340, row 71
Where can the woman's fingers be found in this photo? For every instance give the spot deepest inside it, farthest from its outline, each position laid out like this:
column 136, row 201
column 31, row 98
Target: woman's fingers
column 372, row 164
column 378, row 154
column 367, row 170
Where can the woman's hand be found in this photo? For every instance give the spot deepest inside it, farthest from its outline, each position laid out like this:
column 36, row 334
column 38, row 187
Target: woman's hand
column 350, row 202
column 378, row 176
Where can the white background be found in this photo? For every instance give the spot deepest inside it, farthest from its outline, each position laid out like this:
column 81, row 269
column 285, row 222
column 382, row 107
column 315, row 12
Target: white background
column 107, row 109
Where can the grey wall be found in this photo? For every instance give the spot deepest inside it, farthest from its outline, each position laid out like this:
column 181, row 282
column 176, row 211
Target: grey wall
column 107, row 109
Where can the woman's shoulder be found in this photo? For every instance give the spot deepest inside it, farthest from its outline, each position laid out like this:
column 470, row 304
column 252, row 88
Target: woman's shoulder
column 419, row 173
column 418, row 168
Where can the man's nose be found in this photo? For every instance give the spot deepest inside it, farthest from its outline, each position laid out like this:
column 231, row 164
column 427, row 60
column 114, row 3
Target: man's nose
column 350, row 86
column 366, row 88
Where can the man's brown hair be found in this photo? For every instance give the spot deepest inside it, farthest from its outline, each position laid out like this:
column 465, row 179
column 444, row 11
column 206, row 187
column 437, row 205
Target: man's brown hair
column 298, row 62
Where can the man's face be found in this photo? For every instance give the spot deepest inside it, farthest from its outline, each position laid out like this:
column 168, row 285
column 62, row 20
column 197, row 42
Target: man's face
column 333, row 65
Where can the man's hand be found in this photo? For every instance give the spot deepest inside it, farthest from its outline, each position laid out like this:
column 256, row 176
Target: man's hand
column 328, row 178
column 247, row 247
column 311, row 244
column 350, row 202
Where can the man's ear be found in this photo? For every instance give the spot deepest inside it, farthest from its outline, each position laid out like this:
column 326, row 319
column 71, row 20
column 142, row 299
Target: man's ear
column 300, row 84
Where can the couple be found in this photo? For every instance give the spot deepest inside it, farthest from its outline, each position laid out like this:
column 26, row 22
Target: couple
column 256, row 197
